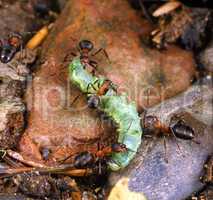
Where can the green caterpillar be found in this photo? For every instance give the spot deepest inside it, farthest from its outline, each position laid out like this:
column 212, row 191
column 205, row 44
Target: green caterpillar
column 123, row 113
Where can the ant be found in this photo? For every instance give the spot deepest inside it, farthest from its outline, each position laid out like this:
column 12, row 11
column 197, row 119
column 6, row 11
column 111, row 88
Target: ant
column 208, row 168
column 85, row 47
column 94, row 100
column 87, row 159
column 10, row 46
column 177, row 128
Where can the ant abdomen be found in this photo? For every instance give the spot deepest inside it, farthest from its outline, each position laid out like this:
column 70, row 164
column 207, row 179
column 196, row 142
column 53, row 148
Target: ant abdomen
column 183, row 131
column 93, row 101
column 84, row 160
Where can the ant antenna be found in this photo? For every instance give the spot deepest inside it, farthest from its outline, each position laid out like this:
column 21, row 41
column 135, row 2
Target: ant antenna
column 75, row 99
column 165, row 147
column 105, row 54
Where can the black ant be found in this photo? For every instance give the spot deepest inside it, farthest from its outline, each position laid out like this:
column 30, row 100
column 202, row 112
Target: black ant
column 10, row 46
column 177, row 128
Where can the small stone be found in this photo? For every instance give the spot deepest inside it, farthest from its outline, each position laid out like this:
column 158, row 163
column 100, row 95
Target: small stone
column 149, row 173
column 121, row 191
column 57, row 123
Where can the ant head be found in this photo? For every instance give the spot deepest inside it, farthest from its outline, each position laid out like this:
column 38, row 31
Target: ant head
column 7, row 53
column 9, row 47
column 93, row 101
column 119, row 147
column 150, row 121
column 150, row 125
column 86, row 44
column 15, row 40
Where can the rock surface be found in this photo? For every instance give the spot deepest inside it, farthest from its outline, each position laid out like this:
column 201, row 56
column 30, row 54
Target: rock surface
column 11, row 123
column 66, row 128
column 206, row 57
column 13, row 76
column 13, row 197
column 150, row 174
column 14, row 18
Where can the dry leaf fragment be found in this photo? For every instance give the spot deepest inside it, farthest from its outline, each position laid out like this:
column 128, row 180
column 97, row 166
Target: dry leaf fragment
column 166, row 8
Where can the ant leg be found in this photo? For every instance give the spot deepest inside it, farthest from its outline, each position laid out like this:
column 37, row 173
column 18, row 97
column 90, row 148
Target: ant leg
column 75, row 99
column 79, row 50
column 92, row 85
column 177, row 118
column 176, row 141
column 165, row 148
column 129, row 126
column 95, row 83
column 145, row 12
column 88, row 86
column 66, row 58
column 99, row 167
column 94, row 65
column 105, row 53
column 64, row 159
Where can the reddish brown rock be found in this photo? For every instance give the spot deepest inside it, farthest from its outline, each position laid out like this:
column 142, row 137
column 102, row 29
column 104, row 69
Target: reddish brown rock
column 14, row 18
column 112, row 25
